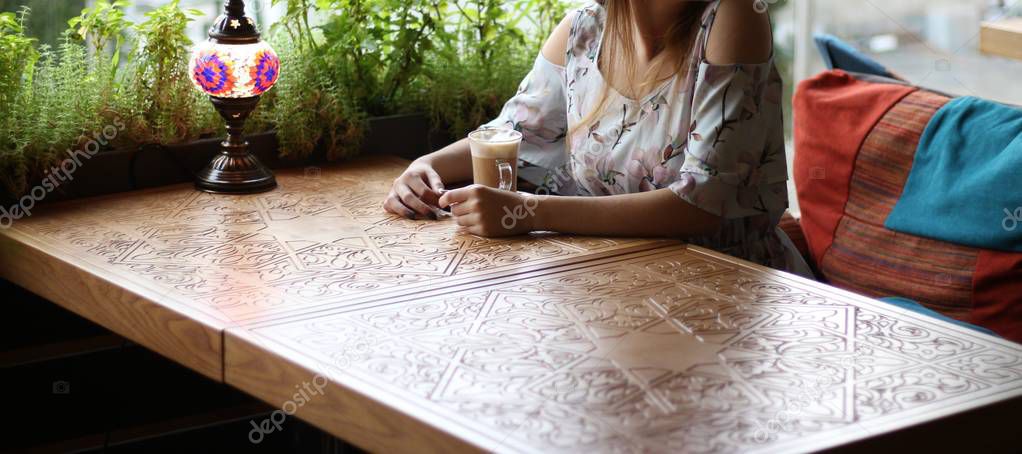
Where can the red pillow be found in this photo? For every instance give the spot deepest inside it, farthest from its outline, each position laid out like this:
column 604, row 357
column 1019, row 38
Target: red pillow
column 854, row 145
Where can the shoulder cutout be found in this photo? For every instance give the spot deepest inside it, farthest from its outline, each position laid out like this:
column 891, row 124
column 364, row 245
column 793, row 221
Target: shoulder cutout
column 556, row 45
column 739, row 34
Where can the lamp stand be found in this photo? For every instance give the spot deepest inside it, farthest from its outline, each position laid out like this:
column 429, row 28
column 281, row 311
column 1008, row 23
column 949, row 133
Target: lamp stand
column 235, row 170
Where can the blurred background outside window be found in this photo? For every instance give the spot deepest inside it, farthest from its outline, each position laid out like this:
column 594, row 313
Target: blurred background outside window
column 931, row 43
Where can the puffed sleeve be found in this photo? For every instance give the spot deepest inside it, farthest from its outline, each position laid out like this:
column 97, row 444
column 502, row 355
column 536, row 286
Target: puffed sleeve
column 734, row 163
column 538, row 111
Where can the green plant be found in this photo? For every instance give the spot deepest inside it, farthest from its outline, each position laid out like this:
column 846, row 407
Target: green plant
column 376, row 48
column 53, row 108
column 64, row 94
column 43, row 27
column 310, row 106
column 99, row 27
column 17, row 58
column 100, row 24
column 16, row 53
column 342, row 61
column 307, row 109
column 480, row 59
column 544, row 17
column 161, row 104
column 456, row 60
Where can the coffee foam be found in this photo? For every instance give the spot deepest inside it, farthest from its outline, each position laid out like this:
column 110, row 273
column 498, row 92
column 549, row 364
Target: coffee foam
column 504, row 150
column 495, row 143
column 496, row 135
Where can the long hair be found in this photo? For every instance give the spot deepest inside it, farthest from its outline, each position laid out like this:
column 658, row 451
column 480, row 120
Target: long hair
column 618, row 52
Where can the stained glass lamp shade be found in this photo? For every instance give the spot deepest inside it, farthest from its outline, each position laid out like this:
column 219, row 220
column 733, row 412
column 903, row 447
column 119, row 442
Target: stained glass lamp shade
column 234, row 71
column 234, row 67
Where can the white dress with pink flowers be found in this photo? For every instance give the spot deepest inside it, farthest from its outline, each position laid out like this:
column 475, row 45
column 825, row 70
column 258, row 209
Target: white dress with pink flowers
column 714, row 137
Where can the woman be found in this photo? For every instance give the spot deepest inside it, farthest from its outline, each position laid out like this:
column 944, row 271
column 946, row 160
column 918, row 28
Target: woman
column 669, row 110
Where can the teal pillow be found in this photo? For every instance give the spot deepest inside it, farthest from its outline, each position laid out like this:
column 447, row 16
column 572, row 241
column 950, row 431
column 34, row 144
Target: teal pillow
column 838, row 54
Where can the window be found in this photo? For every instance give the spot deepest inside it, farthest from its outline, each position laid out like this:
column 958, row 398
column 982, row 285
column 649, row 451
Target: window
column 931, row 43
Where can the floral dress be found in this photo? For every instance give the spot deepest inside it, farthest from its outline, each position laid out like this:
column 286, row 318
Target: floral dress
column 713, row 136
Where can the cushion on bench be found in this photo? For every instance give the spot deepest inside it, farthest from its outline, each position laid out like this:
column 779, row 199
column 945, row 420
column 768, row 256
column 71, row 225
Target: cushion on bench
column 855, row 141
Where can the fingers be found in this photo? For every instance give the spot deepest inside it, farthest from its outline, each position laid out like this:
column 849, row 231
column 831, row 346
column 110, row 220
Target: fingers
column 394, row 205
column 460, row 195
column 418, row 186
column 410, row 200
column 415, row 193
column 468, row 220
column 461, row 209
column 425, row 193
column 450, row 197
column 435, row 183
column 475, row 224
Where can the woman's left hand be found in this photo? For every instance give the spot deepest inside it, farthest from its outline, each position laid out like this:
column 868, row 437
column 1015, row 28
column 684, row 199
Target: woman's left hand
column 490, row 212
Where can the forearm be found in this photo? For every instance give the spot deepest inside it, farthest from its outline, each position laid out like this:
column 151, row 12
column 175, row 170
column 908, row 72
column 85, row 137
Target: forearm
column 657, row 214
column 453, row 162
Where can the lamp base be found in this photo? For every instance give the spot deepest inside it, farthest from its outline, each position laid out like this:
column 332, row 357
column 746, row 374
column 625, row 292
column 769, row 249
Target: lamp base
column 233, row 174
column 235, row 170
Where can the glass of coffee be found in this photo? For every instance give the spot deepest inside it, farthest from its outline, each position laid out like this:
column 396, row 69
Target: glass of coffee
column 495, row 157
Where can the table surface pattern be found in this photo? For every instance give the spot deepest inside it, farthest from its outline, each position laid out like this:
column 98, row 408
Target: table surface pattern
column 539, row 343
column 677, row 349
column 321, row 239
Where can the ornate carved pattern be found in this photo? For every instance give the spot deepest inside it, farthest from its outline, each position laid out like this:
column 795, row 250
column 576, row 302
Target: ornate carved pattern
column 668, row 351
column 321, row 239
column 673, row 350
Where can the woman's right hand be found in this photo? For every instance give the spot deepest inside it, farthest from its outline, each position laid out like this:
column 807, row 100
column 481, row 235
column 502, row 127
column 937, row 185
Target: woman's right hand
column 416, row 192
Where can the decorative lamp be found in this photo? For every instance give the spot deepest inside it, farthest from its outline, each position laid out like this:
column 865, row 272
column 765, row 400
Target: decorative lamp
column 234, row 67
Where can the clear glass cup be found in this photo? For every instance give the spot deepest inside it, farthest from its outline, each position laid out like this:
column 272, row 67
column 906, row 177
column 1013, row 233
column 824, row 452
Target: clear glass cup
column 495, row 157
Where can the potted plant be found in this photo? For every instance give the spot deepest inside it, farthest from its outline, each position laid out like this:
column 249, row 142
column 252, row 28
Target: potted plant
column 358, row 76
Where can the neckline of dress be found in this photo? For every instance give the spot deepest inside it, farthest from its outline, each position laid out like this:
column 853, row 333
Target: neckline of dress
column 599, row 72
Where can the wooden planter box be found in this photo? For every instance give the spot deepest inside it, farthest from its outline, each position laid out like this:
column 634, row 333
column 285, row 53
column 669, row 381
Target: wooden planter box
column 407, row 136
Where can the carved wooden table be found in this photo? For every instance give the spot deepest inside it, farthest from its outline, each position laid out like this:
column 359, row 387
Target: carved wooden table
column 419, row 338
column 171, row 268
column 676, row 349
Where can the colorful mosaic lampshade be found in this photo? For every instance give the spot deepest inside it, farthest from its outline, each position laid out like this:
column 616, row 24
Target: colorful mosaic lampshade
column 234, row 71
column 234, row 67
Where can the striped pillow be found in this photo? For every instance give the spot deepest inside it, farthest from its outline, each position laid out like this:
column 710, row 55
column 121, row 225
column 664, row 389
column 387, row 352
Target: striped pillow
column 855, row 141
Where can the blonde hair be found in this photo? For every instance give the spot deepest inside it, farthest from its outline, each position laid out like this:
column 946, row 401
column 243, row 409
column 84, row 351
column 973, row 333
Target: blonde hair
column 617, row 50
